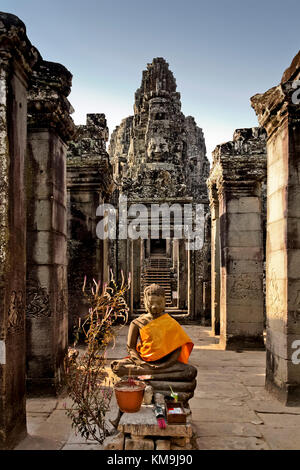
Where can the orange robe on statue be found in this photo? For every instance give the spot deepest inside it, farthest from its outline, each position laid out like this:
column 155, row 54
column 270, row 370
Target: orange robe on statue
column 161, row 337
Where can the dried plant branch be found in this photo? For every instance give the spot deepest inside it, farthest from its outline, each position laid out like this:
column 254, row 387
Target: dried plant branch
column 85, row 374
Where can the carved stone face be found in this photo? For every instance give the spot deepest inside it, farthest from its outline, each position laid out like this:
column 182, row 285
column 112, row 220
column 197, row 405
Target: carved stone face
column 155, row 304
column 157, row 149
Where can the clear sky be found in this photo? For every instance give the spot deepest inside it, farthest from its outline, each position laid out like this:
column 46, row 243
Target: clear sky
column 221, row 52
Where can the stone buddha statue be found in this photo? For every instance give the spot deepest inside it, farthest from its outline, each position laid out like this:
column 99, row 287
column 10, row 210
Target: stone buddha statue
column 159, row 348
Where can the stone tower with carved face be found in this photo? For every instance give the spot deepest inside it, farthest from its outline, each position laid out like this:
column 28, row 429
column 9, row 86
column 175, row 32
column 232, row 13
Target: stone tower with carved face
column 159, row 156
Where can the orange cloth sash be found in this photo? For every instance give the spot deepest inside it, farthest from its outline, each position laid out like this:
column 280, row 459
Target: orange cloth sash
column 161, row 337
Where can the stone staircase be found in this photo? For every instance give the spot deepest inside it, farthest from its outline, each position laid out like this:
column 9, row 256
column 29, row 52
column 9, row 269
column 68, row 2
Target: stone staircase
column 157, row 271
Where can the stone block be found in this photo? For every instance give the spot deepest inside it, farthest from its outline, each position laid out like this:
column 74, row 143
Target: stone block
column 139, row 444
column 39, row 248
column 276, row 266
column 114, row 442
column 245, row 329
column 239, row 253
column 293, row 201
column 250, row 221
column 244, row 312
column 293, row 233
column 244, row 205
column 180, row 441
column 275, row 146
column 243, row 289
column 277, row 206
column 236, row 266
column 293, row 259
column 163, row 444
column 276, row 235
column 277, row 176
column 187, row 447
column 244, row 238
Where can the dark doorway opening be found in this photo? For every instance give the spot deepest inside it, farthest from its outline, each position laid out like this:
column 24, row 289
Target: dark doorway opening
column 158, row 247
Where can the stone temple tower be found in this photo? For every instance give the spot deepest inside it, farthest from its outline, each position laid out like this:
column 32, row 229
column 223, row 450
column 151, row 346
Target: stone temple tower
column 159, row 156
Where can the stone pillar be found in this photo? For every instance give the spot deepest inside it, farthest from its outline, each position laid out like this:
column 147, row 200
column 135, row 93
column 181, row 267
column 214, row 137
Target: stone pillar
column 135, row 269
column 215, row 264
column 49, row 128
column 199, row 262
column 89, row 182
column 17, row 57
column 206, row 260
column 182, row 273
column 238, row 170
column 191, row 283
column 278, row 110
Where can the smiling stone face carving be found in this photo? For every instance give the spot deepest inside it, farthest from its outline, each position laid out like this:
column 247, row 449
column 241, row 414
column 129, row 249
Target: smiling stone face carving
column 158, row 149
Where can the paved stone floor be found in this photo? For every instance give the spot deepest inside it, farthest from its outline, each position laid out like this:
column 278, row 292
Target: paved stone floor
column 230, row 409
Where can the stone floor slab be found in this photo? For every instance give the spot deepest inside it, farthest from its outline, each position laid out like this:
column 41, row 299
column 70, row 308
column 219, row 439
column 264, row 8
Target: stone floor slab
column 231, row 443
column 41, row 405
column 220, row 389
column 208, row 429
column 281, row 420
column 281, row 438
column 227, row 415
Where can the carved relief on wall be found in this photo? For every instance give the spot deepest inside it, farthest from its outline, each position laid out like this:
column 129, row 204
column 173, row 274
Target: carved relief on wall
column 245, row 287
column 38, row 302
column 16, row 312
column 273, row 298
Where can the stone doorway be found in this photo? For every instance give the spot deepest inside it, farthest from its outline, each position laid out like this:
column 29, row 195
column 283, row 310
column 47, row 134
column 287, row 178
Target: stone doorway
column 158, row 248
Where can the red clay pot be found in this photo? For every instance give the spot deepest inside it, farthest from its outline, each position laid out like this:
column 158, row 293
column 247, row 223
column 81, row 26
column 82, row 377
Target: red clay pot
column 130, row 395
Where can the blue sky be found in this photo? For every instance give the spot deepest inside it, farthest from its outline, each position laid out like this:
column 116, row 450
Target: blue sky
column 221, row 52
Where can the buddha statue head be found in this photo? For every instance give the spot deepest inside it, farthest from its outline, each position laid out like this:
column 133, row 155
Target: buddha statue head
column 154, row 300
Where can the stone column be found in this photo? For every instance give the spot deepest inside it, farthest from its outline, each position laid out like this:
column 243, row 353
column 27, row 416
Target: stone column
column 89, row 182
column 238, row 170
column 49, row 128
column 182, row 273
column 278, row 110
column 215, row 264
column 17, row 57
column 199, row 262
column 135, row 269
column 241, row 305
column 191, row 283
column 206, row 259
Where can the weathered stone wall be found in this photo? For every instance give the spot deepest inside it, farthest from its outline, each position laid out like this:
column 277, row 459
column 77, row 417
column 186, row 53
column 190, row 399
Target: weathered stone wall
column 49, row 128
column 89, row 184
column 235, row 183
column 278, row 110
column 17, row 57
